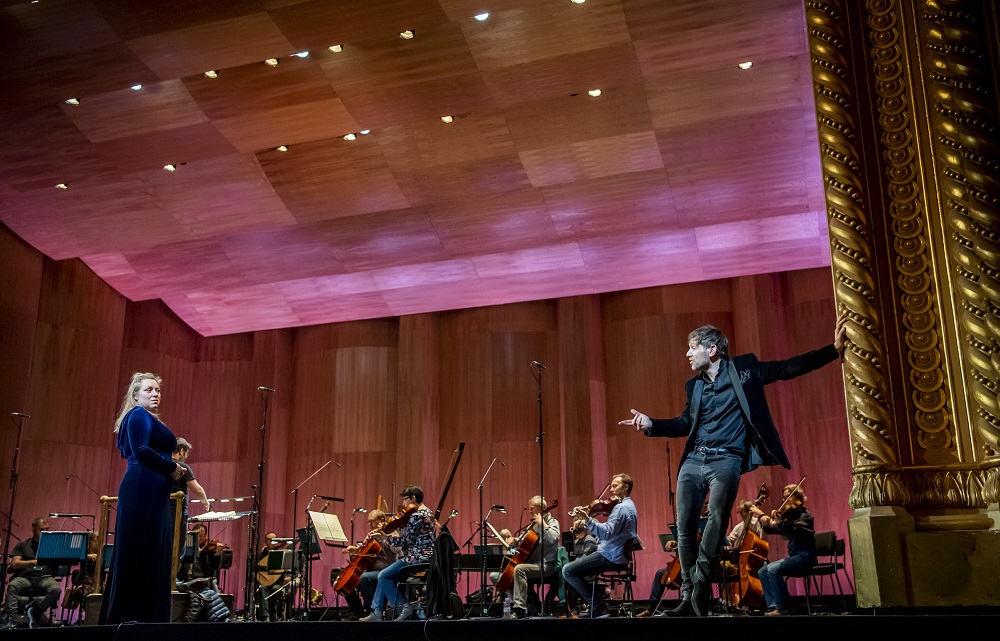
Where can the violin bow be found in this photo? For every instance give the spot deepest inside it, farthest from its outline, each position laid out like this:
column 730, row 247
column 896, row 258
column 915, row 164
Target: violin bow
column 792, row 493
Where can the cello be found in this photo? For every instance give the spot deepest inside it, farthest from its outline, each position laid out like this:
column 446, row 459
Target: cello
column 751, row 552
column 524, row 549
column 349, row 578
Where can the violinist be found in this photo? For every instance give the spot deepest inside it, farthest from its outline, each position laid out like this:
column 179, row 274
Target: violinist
column 416, row 542
column 360, row 601
column 543, row 524
column 728, row 431
column 612, row 536
column 794, row 522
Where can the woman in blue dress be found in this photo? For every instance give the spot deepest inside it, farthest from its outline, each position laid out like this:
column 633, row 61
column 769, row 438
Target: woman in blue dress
column 140, row 579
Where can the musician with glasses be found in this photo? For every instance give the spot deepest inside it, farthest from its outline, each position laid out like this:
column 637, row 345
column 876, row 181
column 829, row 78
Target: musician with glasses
column 543, row 532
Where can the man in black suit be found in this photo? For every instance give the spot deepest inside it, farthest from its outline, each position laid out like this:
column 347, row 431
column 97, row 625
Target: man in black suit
column 729, row 432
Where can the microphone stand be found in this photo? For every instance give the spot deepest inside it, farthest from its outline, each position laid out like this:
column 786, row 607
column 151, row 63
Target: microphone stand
column 482, row 539
column 541, row 492
column 13, row 496
column 308, row 544
column 253, row 526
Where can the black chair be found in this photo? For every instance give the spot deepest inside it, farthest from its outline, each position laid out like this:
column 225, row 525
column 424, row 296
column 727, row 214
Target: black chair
column 412, row 580
column 830, row 556
column 623, row 576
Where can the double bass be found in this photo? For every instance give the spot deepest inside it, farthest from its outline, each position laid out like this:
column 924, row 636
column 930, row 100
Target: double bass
column 751, row 551
column 524, row 549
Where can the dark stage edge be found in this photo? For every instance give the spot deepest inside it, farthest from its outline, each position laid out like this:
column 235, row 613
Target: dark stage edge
column 880, row 626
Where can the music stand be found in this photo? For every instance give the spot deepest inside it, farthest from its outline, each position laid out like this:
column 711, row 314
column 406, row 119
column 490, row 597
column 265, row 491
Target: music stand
column 61, row 548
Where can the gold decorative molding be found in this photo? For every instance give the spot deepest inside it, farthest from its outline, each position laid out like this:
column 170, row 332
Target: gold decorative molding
column 964, row 487
column 850, row 237
column 955, row 47
column 908, row 216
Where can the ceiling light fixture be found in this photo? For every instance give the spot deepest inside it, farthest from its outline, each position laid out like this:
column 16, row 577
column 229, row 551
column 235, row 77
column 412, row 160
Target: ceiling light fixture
column 407, row 35
column 281, row 148
column 61, row 185
column 73, row 101
column 170, row 168
column 271, row 62
column 481, row 17
column 336, row 48
column 593, row 93
column 577, row 1
column 447, row 119
column 365, row 132
column 135, row 87
column 350, row 137
column 302, row 54
column 745, row 65
column 211, row 74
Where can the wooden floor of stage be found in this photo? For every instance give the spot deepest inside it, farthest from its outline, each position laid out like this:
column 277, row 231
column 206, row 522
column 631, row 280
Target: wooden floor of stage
column 824, row 624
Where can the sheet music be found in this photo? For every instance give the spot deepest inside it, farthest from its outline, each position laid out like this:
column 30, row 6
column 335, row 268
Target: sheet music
column 213, row 516
column 328, row 528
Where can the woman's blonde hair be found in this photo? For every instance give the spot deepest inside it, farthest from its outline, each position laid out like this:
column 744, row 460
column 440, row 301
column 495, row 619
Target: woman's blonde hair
column 132, row 395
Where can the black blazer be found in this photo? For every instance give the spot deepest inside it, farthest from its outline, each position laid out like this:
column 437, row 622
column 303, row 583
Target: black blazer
column 749, row 377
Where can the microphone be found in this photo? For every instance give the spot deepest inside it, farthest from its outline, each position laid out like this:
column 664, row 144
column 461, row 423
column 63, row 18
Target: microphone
column 325, row 505
column 454, row 513
column 538, row 365
column 501, row 462
column 265, row 389
column 360, row 509
column 65, row 515
column 499, row 508
column 328, row 498
column 19, row 414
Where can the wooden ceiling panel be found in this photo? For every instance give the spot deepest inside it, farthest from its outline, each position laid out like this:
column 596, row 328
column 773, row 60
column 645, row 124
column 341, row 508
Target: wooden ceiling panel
column 603, row 206
column 157, row 266
column 332, row 179
column 499, row 223
column 49, row 80
column 256, row 87
column 257, row 306
column 117, row 272
column 385, row 239
column 572, row 74
column 29, row 31
column 570, row 119
column 354, row 296
column 472, row 180
column 253, row 131
column 424, row 274
column 153, row 150
column 546, row 30
column 435, row 144
column 213, row 45
column 280, row 254
column 156, row 107
column 595, row 158
column 632, row 261
column 132, row 19
column 555, row 258
column 320, row 23
column 700, row 35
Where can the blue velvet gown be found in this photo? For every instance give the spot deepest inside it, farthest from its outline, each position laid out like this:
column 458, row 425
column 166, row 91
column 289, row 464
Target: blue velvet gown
column 140, row 580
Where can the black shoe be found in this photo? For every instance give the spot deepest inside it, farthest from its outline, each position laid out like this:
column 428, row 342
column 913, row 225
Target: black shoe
column 34, row 617
column 683, row 609
column 701, row 594
column 518, row 613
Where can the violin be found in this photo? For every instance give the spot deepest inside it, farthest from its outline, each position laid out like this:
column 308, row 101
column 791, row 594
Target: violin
column 399, row 519
column 597, row 507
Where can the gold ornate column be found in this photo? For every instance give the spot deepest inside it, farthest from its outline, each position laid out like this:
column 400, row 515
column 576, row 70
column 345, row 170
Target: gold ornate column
column 906, row 101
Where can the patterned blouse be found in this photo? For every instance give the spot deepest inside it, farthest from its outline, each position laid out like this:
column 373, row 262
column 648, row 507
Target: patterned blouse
column 417, row 538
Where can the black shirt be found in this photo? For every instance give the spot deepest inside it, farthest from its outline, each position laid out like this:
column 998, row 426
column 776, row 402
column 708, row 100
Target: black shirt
column 720, row 420
column 26, row 550
column 181, row 485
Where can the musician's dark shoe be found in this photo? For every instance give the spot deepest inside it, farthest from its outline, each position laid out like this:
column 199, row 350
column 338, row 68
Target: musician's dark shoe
column 34, row 617
column 405, row 613
column 518, row 613
column 701, row 594
column 683, row 609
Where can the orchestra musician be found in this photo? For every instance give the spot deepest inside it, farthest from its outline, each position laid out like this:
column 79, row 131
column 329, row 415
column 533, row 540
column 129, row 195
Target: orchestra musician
column 416, row 544
column 360, row 601
column 612, row 536
column 543, row 524
column 583, row 544
column 190, row 486
column 729, row 431
column 794, row 522
column 209, row 554
column 270, row 584
column 28, row 574
column 659, row 586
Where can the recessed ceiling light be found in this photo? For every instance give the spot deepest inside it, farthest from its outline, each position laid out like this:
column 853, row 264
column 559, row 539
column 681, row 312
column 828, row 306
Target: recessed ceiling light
column 745, row 65
column 481, row 17
column 170, row 168
column 281, row 148
column 447, row 119
column 407, row 35
column 365, row 132
column 211, row 74
column 577, row 1
column 350, row 137
column 73, row 101
column 135, row 87
column 336, row 48
column 60, row 185
column 271, row 62
column 593, row 93
column 302, row 54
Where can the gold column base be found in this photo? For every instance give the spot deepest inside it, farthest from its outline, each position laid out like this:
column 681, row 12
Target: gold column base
column 925, row 561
